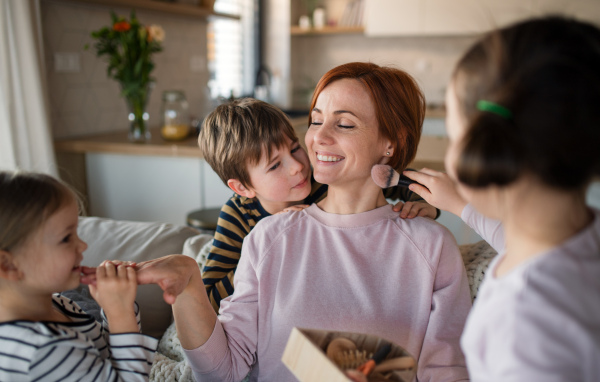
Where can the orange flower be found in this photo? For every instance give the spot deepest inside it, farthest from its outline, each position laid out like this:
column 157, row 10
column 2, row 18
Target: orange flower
column 122, row 26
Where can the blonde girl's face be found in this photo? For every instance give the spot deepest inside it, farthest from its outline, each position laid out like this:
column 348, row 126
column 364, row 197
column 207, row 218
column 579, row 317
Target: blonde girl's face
column 486, row 200
column 50, row 259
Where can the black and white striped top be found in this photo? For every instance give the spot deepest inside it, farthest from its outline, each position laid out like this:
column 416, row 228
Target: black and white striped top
column 71, row 351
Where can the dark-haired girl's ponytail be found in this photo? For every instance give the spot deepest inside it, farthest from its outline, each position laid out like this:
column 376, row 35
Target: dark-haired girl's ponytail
column 491, row 153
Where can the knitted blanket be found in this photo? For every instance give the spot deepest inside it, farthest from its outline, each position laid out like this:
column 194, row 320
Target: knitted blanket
column 170, row 365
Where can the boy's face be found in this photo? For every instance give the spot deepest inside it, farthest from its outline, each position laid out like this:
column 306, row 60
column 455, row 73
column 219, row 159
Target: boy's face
column 283, row 179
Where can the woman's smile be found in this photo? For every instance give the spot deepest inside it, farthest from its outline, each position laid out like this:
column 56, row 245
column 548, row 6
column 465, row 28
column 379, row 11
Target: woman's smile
column 324, row 157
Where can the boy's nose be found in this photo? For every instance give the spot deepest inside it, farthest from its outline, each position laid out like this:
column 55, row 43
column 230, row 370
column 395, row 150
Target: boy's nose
column 296, row 166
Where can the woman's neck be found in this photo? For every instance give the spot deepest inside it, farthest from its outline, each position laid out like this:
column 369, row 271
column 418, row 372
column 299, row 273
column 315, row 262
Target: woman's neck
column 539, row 219
column 345, row 200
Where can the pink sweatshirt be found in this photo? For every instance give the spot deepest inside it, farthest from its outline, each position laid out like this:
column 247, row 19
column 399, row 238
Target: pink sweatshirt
column 541, row 321
column 371, row 272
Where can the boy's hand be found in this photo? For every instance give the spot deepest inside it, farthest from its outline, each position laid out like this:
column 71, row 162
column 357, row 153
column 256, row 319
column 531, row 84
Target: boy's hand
column 115, row 290
column 439, row 191
column 298, row 207
column 411, row 210
column 172, row 273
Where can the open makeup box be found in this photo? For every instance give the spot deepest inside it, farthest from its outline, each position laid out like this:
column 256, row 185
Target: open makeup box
column 320, row 355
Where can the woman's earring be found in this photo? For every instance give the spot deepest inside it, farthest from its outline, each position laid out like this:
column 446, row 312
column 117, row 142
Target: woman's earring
column 388, row 153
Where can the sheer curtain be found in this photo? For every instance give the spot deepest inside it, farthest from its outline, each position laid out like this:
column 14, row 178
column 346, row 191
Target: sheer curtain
column 25, row 137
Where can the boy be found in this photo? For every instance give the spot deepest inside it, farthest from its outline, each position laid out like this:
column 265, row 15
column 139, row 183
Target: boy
column 253, row 148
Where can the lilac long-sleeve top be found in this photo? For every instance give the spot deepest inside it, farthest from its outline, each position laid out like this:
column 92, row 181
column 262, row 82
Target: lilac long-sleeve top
column 541, row 321
column 371, row 272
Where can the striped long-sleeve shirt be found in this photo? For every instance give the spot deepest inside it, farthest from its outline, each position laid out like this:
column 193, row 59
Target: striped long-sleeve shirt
column 237, row 218
column 82, row 349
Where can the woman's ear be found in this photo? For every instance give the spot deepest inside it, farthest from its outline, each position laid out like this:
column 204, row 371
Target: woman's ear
column 9, row 270
column 237, row 187
column 388, row 152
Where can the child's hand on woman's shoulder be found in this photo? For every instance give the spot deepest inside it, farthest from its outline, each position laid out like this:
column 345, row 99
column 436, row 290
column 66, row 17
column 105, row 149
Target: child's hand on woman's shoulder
column 411, row 210
column 115, row 290
column 297, row 207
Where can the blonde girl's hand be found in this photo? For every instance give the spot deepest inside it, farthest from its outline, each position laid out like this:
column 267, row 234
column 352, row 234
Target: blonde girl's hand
column 298, row 207
column 437, row 189
column 115, row 291
column 88, row 274
column 411, row 210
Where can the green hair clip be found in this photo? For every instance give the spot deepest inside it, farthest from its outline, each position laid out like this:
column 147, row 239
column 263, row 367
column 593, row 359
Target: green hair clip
column 494, row 108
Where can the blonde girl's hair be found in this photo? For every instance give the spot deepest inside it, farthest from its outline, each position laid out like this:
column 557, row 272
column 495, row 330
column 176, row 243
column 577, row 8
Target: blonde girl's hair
column 27, row 200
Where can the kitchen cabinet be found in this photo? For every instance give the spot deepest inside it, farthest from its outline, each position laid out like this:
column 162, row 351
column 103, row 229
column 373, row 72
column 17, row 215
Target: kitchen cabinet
column 464, row 17
column 154, row 181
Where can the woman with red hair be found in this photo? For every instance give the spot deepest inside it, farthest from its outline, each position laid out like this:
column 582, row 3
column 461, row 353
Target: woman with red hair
column 348, row 263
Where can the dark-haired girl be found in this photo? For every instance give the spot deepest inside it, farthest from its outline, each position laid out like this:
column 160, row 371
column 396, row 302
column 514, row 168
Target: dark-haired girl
column 524, row 128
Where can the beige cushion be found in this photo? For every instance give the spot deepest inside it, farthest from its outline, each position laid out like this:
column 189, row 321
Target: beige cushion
column 136, row 241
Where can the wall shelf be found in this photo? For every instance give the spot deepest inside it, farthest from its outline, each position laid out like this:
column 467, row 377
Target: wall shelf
column 181, row 9
column 297, row 31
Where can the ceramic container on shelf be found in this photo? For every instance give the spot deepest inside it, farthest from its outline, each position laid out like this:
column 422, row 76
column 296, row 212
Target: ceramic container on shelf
column 175, row 115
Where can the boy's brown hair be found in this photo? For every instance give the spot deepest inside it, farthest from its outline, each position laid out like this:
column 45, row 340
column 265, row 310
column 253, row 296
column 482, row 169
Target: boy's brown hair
column 235, row 135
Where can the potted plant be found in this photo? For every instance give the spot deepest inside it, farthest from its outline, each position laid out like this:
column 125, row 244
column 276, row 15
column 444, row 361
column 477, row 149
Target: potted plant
column 129, row 46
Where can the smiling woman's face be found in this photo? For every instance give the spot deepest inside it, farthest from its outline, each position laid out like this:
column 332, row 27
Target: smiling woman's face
column 343, row 140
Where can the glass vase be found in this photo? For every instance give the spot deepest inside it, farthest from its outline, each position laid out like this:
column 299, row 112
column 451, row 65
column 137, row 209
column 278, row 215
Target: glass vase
column 138, row 117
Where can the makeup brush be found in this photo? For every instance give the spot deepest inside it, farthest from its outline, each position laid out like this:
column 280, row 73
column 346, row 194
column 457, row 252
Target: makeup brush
column 385, row 177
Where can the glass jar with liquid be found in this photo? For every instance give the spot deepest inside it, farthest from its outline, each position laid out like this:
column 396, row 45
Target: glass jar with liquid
column 175, row 116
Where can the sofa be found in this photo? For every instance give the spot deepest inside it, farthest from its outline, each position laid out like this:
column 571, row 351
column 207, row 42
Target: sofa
column 139, row 241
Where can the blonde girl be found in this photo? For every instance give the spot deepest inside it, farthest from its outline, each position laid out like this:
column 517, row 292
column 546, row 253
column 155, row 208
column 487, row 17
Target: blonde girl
column 46, row 336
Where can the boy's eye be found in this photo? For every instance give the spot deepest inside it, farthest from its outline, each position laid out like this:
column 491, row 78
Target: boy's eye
column 66, row 239
column 295, row 149
column 274, row 167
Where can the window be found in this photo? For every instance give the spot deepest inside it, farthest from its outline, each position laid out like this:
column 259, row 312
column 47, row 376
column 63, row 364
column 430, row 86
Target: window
column 232, row 49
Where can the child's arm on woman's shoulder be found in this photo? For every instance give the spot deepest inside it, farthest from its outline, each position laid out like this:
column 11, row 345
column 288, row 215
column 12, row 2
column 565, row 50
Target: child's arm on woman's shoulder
column 115, row 290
